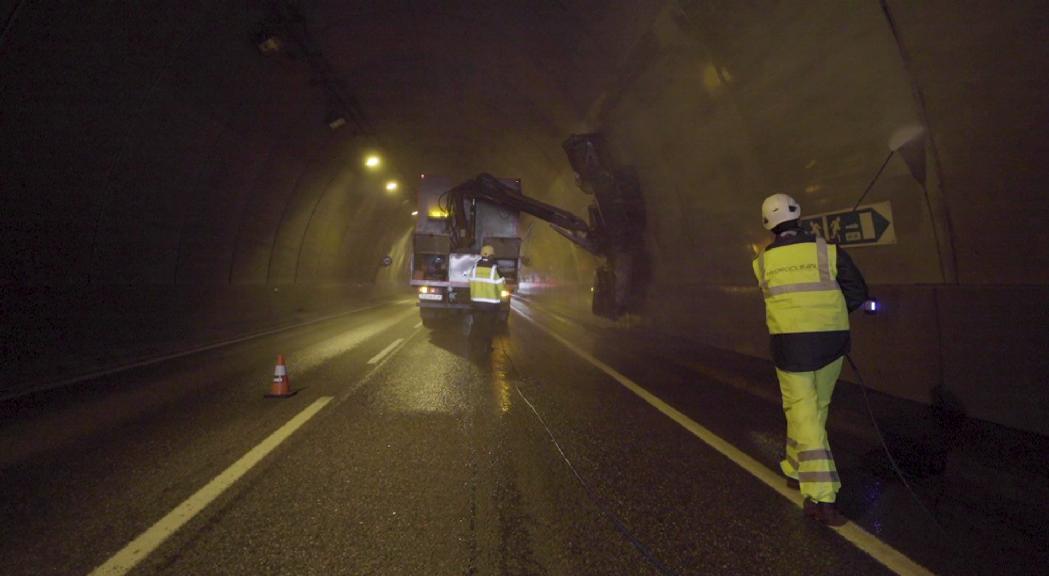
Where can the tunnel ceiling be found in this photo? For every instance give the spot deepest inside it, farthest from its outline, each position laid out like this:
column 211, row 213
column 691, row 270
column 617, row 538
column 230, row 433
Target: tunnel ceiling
column 157, row 145
column 152, row 151
column 450, row 84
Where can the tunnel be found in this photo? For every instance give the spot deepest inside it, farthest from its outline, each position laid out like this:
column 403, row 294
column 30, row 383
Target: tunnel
column 192, row 190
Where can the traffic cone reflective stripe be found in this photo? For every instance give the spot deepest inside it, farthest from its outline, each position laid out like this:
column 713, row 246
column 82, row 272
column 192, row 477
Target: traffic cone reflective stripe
column 281, row 386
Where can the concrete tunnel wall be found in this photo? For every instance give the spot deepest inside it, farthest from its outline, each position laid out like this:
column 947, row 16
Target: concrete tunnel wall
column 153, row 157
column 164, row 184
column 719, row 104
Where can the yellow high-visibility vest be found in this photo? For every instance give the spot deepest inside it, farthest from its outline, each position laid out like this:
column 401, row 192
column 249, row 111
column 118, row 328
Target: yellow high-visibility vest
column 486, row 285
column 800, row 288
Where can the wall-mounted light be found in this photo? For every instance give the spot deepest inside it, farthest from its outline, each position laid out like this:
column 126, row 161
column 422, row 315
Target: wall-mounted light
column 415, row 212
column 391, row 186
column 335, row 120
column 269, row 44
column 372, row 161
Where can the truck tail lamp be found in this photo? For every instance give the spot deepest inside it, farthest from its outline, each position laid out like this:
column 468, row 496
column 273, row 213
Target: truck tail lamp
column 430, row 293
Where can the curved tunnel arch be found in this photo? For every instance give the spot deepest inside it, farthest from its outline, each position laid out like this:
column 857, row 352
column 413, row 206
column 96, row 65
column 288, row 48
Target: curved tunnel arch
column 151, row 154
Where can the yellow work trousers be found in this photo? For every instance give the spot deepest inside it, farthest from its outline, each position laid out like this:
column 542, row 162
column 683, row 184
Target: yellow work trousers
column 806, row 401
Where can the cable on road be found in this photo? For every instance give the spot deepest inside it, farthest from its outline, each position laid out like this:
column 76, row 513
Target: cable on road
column 611, row 516
column 888, row 453
column 896, row 467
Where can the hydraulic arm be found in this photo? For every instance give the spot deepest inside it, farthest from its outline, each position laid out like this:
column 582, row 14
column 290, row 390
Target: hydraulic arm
column 614, row 232
column 488, row 188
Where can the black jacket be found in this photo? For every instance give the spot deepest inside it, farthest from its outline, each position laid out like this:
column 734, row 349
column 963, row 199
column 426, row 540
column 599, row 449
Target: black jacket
column 808, row 351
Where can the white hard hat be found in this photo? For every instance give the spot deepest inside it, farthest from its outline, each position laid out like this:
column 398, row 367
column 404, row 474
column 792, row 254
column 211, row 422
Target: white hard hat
column 777, row 209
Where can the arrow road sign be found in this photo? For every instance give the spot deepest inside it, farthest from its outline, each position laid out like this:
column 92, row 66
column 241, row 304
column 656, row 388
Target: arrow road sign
column 868, row 225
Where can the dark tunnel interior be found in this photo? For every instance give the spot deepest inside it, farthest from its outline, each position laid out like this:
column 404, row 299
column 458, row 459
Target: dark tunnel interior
column 169, row 178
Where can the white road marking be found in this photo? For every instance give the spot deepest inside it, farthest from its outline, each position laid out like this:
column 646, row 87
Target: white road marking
column 417, row 325
column 893, row 559
column 189, row 352
column 375, row 370
column 378, row 357
column 122, row 562
column 324, row 351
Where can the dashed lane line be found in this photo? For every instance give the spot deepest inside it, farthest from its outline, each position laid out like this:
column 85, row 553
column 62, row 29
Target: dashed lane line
column 382, row 354
column 891, row 558
column 394, row 349
column 123, row 561
column 189, row 352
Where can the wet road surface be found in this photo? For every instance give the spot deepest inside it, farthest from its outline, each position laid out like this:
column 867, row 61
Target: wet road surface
column 434, row 455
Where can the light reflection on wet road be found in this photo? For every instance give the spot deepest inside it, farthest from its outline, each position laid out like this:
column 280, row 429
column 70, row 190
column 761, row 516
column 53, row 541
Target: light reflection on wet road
column 430, row 463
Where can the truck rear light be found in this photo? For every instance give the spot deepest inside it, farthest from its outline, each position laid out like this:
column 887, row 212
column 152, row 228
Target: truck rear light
column 430, row 293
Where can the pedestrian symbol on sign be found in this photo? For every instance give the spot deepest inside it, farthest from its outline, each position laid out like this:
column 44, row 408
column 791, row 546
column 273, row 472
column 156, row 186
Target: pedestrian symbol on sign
column 835, row 229
column 868, row 225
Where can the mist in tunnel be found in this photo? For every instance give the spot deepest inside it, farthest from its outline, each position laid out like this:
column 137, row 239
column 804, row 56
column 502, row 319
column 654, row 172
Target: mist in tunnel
column 167, row 178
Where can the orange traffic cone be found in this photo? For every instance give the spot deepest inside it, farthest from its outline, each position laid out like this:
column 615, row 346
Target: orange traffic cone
column 281, row 387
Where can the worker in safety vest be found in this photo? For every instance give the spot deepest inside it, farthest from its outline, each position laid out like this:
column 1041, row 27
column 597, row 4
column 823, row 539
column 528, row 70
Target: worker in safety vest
column 486, row 285
column 810, row 287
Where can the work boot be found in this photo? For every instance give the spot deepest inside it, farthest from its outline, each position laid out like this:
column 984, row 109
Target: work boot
column 825, row 513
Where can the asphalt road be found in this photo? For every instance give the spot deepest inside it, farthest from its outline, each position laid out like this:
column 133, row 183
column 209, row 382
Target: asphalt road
column 434, row 455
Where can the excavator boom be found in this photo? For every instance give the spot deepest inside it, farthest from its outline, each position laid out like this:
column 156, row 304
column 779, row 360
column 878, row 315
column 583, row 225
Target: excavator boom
column 488, row 188
column 455, row 220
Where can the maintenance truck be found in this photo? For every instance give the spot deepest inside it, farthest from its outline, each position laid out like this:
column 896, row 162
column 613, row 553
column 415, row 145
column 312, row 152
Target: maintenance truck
column 455, row 221
column 448, row 240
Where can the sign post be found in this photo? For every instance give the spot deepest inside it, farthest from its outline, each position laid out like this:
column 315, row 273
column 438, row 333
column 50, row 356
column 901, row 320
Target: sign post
column 867, row 225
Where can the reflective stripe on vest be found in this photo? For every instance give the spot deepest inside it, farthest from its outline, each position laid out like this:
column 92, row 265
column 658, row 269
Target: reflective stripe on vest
column 801, row 295
column 485, row 284
column 822, row 264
